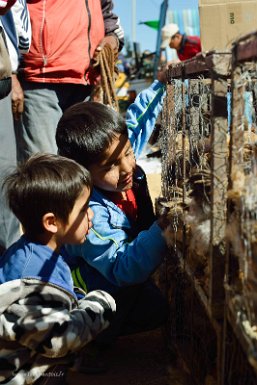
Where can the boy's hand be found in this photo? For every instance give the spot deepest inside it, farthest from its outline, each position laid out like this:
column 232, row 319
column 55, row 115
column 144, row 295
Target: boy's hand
column 162, row 75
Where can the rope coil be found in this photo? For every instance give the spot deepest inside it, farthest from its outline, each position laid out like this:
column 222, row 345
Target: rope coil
column 105, row 91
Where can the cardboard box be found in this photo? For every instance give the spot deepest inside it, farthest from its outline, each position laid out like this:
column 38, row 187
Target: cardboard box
column 221, row 24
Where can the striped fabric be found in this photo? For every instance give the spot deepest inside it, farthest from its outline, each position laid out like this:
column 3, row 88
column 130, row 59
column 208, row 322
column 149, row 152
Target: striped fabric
column 17, row 27
column 186, row 19
column 22, row 24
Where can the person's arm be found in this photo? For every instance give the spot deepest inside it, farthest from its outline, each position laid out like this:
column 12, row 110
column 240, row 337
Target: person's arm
column 48, row 321
column 119, row 260
column 23, row 30
column 18, row 30
column 142, row 114
column 114, row 33
column 6, row 67
column 17, row 97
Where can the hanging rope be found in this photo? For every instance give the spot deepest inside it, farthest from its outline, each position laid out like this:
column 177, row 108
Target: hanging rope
column 105, row 91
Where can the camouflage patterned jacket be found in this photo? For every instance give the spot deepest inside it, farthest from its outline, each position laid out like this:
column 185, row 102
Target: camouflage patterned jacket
column 42, row 325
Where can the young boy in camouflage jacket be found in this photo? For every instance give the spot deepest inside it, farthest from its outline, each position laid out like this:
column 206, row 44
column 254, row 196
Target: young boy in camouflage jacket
column 44, row 321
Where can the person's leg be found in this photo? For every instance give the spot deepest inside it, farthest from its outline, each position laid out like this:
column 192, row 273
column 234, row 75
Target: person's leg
column 44, row 104
column 9, row 225
column 35, row 132
column 139, row 308
column 94, row 358
column 150, row 310
column 125, row 300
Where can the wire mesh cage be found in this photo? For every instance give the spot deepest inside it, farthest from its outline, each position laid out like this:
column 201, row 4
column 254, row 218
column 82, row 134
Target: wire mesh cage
column 194, row 142
column 193, row 338
column 209, row 185
column 194, row 171
column 241, row 283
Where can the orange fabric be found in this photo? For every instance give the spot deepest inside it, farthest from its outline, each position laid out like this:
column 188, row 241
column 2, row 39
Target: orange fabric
column 63, row 33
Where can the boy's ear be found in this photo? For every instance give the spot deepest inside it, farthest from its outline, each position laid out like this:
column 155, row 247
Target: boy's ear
column 49, row 223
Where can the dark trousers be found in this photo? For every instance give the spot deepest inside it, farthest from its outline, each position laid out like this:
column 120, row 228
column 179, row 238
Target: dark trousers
column 139, row 308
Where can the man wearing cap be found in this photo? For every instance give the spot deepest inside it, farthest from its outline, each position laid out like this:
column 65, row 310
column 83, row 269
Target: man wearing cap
column 186, row 46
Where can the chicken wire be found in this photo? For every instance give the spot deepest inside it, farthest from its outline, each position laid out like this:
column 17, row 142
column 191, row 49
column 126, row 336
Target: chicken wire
column 194, row 183
column 207, row 119
column 242, row 201
column 194, row 148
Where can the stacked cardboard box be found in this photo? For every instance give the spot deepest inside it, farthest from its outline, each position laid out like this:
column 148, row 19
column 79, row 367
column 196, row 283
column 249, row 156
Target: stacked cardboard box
column 224, row 21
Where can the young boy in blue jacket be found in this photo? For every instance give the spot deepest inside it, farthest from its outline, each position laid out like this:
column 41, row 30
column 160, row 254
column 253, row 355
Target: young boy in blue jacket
column 125, row 244
column 44, row 321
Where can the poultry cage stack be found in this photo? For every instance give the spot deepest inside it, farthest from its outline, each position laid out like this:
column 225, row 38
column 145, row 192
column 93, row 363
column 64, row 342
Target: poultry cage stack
column 194, row 144
column 241, row 233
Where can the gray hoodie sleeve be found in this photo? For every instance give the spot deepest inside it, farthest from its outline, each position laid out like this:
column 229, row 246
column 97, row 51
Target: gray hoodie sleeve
column 48, row 321
column 112, row 22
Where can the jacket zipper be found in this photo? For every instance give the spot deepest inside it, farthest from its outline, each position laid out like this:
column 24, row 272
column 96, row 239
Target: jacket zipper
column 44, row 57
column 88, row 29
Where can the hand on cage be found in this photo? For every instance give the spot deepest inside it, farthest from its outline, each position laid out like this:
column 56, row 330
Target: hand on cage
column 163, row 218
column 162, row 74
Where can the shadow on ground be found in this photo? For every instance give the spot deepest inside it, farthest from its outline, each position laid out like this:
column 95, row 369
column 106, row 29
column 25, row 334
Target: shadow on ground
column 140, row 359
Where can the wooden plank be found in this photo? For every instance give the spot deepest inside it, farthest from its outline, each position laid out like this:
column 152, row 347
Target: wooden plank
column 195, row 67
column 175, row 71
column 246, row 50
column 219, row 163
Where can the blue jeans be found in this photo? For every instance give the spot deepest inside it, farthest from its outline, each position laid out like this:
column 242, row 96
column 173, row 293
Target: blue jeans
column 9, row 225
column 44, row 104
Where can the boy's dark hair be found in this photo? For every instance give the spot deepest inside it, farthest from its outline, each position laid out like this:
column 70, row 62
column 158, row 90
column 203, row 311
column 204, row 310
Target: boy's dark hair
column 86, row 130
column 45, row 183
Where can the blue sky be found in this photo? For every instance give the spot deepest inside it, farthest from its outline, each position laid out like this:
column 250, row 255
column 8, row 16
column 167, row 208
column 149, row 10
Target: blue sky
column 146, row 10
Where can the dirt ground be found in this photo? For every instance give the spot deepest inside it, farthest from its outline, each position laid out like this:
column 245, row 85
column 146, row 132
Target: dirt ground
column 140, row 359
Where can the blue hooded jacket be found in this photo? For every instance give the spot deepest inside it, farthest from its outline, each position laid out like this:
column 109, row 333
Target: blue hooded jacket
column 112, row 258
column 30, row 260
